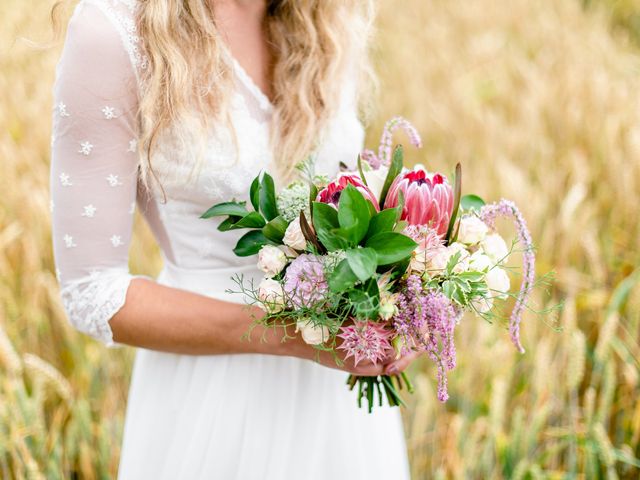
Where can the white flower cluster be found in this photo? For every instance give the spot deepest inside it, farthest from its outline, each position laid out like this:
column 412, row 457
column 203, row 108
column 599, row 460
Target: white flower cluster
column 294, row 199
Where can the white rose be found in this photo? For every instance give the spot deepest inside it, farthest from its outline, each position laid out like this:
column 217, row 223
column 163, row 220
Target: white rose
column 271, row 260
column 463, row 261
column 436, row 261
column 312, row 334
column 495, row 247
column 293, row 236
column 498, row 281
column 375, row 180
column 270, row 292
column 472, row 230
column 479, row 262
column 482, row 305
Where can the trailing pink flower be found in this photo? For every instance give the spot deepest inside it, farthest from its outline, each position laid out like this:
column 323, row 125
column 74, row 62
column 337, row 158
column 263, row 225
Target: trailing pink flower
column 386, row 142
column 331, row 193
column 428, row 199
column 366, row 340
column 426, row 319
column 506, row 208
column 304, row 281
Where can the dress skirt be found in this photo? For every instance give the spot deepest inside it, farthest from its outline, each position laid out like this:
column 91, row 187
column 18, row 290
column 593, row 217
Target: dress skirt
column 250, row 416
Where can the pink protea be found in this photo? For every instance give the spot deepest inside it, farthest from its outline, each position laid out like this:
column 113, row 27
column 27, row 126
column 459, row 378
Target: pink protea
column 331, row 193
column 366, row 340
column 428, row 199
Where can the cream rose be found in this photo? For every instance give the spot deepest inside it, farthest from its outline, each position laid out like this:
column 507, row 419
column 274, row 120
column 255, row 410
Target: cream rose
column 472, row 230
column 293, row 236
column 498, row 282
column 312, row 334
column 479, row 262
column 495, row 247
column 271, row 260
column 463, row 261
column 271, row 294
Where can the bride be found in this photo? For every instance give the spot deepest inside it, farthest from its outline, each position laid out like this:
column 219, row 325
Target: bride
column 172, row 106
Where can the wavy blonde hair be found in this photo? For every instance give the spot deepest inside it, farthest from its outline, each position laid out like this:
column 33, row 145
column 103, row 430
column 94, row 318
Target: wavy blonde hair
column 311, row 42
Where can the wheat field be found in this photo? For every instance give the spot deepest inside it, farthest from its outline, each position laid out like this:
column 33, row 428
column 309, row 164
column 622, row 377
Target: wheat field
column 539, row 101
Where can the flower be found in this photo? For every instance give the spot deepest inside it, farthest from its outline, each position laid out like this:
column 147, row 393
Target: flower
column 428, row 199
column 271, row 295
column 387, row 307
column 292, row 200
column 495, row 247
column 366, row 340
column 462, row 265
column 438, row 259
column 331, row 193
column 304, row 282
column 498, row 281
column 479, row 262
column 312, row 334
column 271, row 260
column 293, row 236
column 472, row 230
column 375, row 180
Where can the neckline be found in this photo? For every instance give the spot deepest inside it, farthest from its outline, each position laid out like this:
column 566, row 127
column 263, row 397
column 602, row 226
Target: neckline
column 262, row 98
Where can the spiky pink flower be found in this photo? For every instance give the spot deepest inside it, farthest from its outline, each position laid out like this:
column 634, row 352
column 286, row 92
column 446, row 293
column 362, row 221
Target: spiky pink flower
column 331, row 193
column 428, row 199
column 506, row 208
column 366, row 340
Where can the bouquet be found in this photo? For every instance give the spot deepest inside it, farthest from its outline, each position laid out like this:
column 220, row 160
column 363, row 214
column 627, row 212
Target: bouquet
column 378, row 262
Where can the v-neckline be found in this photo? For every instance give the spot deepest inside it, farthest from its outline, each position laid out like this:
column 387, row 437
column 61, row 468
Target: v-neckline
column 250, row 84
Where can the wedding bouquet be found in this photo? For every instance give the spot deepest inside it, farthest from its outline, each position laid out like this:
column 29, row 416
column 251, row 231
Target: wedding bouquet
column 378, row 262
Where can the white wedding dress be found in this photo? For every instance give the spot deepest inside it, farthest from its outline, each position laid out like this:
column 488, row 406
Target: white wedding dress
column 192, row 417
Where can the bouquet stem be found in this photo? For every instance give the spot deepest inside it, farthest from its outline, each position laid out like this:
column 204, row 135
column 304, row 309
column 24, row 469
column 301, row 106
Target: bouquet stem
column 372, row 387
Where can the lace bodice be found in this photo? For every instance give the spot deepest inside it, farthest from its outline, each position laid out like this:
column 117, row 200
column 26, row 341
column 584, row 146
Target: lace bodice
column 94, row 166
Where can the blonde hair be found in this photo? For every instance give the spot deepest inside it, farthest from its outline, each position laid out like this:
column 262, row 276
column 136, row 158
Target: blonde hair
column 313, row 43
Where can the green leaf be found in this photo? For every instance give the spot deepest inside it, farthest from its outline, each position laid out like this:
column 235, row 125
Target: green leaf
column 471, row 202
column 448, row 287
column 360, row 171
column 453, row 261
column 254, row 193
column 250, row 243
column 268, row 197
column 353, row 213
column 251, row 220
column 342, row 277
column 325, row 217
column 228, row 223
column 383, row 221
column 363, row 262
column 275, row 229
column 391, row 247
column 237, row 209
column 394, row 170
column 457, row 191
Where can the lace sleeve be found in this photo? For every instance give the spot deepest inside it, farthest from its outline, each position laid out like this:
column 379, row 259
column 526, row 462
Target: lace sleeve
column 93, row 170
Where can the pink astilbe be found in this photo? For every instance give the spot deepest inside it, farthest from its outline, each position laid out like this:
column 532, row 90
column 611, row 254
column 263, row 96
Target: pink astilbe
column 384, row 150
column 506, row 208
column 426, row 319
column 366, row 340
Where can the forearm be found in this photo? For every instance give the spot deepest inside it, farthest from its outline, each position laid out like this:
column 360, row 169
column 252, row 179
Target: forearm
column 163, row 318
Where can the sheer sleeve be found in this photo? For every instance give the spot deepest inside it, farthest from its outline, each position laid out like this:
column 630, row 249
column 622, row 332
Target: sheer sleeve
column 93, row 171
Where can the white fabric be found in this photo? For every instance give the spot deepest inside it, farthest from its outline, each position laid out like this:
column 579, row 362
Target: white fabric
column 192, row 417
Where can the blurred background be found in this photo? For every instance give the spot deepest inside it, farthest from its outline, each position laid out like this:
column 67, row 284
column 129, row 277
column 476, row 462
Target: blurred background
column 539, row 101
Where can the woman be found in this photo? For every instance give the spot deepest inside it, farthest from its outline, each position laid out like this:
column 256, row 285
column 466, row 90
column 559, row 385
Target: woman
column 176, row 105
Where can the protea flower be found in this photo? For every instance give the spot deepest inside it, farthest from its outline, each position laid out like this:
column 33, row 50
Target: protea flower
column 366, row 340
column 331, row 193
column 428, row 199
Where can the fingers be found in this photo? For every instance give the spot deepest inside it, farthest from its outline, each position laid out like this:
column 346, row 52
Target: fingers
column 401, row 364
